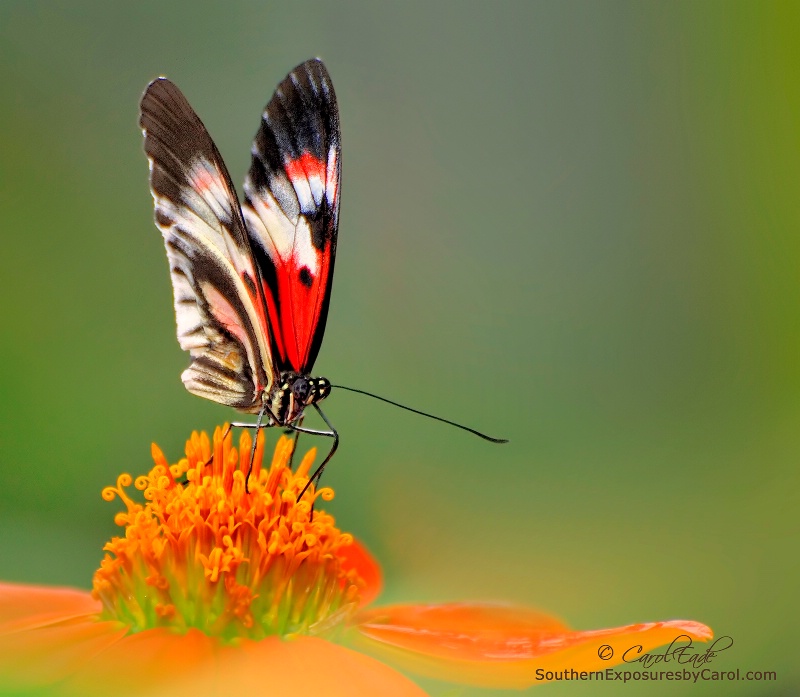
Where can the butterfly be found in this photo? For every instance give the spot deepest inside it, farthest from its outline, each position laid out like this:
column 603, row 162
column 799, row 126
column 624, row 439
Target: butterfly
column 251, row 281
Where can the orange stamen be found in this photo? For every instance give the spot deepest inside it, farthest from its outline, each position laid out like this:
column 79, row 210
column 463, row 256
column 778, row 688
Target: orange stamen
column 234, row 563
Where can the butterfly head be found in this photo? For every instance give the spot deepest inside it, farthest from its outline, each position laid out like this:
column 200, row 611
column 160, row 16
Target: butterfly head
column 296, row 392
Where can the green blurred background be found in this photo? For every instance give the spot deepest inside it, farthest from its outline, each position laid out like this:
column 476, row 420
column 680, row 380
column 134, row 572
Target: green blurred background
column 571, row 224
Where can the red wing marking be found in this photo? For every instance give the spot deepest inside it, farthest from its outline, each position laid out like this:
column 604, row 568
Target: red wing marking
column 300, row 294
column 305, row 167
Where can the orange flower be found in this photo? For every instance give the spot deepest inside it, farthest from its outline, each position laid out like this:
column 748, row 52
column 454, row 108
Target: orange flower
column 218, row 589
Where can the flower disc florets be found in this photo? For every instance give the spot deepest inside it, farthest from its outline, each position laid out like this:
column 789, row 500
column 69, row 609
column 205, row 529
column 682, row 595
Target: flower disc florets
column 203, row 552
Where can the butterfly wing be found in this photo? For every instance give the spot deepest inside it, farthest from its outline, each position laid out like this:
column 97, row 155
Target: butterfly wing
column 219, row 306
column 292, row 211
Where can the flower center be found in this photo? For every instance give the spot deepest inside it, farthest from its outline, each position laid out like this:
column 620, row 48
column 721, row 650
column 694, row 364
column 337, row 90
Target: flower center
column 208, row 554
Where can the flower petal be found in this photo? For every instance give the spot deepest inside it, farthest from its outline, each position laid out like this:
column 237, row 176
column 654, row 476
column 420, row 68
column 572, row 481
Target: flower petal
column 33, row 605
column 502, row 646
column 157, row 663
column 50, row 637
column 151, row 662
column 45, row 633
column 311, row 666
column 356, row 557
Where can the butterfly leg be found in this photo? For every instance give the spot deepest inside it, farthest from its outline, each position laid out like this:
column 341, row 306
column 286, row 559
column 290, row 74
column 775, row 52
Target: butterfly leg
column 237, row 424
column 294, row 445
column 333, row 433
column 258, row 425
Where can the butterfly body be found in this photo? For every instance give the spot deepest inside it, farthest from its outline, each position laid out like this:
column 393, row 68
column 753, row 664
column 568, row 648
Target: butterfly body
column 251, row 281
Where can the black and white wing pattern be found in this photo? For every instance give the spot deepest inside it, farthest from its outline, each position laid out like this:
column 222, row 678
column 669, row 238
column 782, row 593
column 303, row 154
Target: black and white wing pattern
column 291, row 209
column 219, row 303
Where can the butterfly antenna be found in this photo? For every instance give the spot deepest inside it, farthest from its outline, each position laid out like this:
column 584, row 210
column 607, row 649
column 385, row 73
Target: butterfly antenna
column 423, row 413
